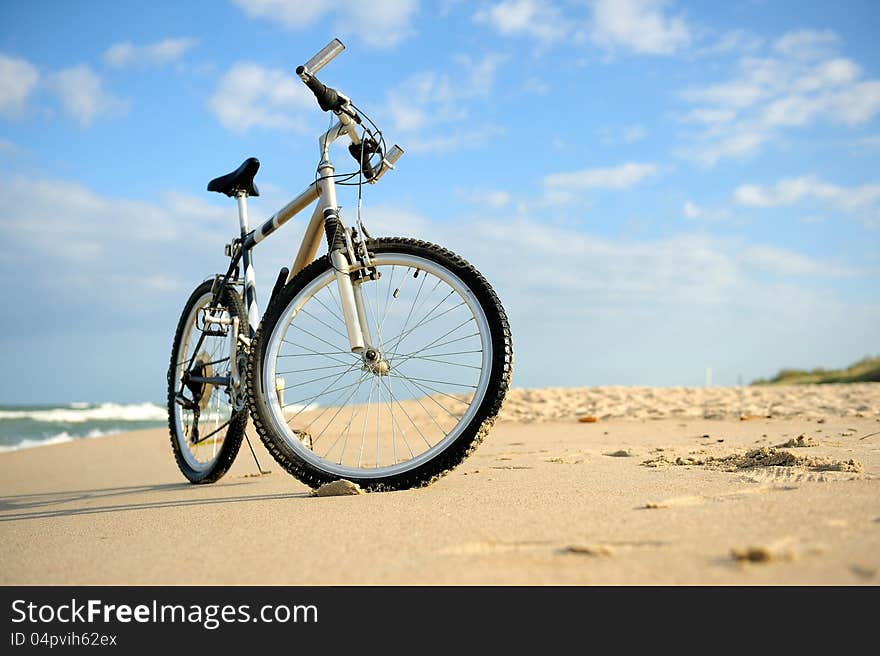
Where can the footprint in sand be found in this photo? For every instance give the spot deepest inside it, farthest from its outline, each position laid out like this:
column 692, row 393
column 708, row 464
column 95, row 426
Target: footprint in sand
column 864, row 573
column 674, row 502
column 491, row 547
column 593, row 550
column 782, row 550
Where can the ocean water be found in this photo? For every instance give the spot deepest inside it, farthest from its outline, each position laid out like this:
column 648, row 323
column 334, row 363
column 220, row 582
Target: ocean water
column 26, row 426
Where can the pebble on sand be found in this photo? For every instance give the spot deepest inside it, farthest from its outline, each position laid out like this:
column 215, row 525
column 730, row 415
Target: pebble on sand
column 589, row 419
column 339, row 488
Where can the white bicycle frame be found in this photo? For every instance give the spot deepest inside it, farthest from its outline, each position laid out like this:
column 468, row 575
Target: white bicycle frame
column 324, row 191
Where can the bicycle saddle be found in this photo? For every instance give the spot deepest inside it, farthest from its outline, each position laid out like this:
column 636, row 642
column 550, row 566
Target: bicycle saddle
column 241, row 179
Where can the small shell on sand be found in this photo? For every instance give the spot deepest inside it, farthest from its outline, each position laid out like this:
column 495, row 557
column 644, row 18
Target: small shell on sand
column 339, row 488
column 620, row 453
column 589, row 419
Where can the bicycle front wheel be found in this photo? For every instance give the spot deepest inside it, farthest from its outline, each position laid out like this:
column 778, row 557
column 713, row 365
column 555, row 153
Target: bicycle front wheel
column 411, row 406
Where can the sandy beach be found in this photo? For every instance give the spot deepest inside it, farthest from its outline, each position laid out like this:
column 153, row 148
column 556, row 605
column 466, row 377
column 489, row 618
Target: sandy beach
column 660, row 486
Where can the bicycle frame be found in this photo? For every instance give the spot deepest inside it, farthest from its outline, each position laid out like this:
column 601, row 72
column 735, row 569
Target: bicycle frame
column 324, row 191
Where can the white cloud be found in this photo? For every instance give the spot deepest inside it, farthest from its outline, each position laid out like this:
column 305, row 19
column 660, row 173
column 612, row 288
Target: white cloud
column 633, row 133
column 863, row 200
column 693, row 211
column 452, row 140
column 161, row 52
column 82, row 94
column 429, row 99
column 615, row 177
column 786, row 263
column 640, row 26
column 537, row 19
column 792, row 190
column 807, row 44
column 249, row 95
column 18, row 78
column 379, row 23
column 800, row 82
column 733, row 41
column 492, row 198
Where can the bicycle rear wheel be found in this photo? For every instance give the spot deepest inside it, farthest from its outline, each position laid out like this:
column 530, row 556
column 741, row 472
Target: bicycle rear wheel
column 409, row 408
column 206, row 420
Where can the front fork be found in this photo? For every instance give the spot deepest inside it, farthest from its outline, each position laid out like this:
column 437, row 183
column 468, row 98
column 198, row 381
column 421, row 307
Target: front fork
column 352, row 300
column 345, row 261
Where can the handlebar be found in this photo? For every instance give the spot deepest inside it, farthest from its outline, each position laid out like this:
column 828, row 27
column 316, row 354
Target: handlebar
column 330, row 99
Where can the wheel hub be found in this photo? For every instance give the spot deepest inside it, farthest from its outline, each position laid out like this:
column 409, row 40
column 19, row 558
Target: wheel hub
column 375, row 363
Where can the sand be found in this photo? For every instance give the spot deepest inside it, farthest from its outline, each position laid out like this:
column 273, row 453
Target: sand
column 547, row 499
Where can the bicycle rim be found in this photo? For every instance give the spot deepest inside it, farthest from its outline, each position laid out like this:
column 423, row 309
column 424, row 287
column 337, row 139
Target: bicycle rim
column 352, row 418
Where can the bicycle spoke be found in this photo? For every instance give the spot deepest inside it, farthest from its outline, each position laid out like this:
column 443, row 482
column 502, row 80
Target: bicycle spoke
column 202, row 439
column 387, row 299
column 311, row 352
column 307, row 313
column 454, row 364
column 315, row 380
column 309, row 425
column 451, row 341
column 425, row 319
column 320, row 339
column 299, row 371
column 413, row 380
column 443, row 407
column 419, row 401
column 394, row 420
column 353, row 412
column 339, row 317
column 446, row 334
column 323, row 391
column 364, row 429
column 394, row 341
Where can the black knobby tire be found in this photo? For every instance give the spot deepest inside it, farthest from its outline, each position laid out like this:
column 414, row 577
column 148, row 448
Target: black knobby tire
column 457, row 450
column 235, row 431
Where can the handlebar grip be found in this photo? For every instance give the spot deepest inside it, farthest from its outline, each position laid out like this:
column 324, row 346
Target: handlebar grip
column 394, row 154
column 328, row 99
column 324, row 56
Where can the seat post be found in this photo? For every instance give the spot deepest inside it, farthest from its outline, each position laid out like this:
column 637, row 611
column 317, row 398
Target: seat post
column 241, row 197
column 250, row 285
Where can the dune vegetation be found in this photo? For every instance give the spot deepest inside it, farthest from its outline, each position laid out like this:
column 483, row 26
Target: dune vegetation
column 865, row 370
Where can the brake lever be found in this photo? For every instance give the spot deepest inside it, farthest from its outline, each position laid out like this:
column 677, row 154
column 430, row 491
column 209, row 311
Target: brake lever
column 361, row 153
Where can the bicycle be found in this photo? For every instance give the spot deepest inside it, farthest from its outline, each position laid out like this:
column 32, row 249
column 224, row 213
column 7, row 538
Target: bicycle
column 384, row 361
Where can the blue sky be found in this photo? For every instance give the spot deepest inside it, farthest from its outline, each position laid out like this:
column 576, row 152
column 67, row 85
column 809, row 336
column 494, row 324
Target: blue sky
column 654, row 188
